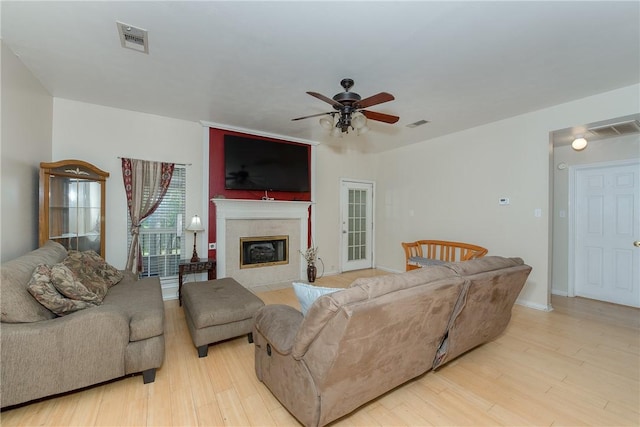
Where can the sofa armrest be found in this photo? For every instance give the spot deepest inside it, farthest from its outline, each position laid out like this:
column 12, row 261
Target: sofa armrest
column 62, row 354
column 278, row 324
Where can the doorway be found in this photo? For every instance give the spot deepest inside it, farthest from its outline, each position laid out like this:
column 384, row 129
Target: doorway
column 356, row 233
column 611, row 141
column 605, row 215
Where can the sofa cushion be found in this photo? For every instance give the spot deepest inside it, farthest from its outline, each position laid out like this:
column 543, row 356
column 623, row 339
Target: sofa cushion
column 480, row 265
column 68, row 284
column 93, row 271
column 17, row 304
column 307, row 294
column 42, row 289
column 141, row 301
column 492, row 285
column 380, row 285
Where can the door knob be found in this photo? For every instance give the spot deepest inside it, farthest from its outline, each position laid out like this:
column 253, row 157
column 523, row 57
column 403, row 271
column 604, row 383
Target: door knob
column 636, row 243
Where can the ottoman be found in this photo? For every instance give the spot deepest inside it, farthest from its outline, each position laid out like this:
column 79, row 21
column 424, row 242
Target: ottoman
column 217, row 310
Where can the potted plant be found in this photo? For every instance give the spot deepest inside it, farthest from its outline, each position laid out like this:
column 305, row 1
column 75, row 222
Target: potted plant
column 310, row 255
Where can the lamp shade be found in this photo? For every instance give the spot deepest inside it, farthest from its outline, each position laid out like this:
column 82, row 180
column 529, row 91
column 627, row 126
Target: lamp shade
column 196, row 224
column 579, row 144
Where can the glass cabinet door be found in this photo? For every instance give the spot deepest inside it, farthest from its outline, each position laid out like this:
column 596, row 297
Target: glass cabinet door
column 74, row 213
column 72, row 205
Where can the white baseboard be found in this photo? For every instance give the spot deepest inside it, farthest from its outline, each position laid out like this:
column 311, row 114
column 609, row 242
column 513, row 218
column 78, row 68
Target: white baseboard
column 170, row 284
column 329, row 273
column 389, row 270
column 535, row 306
column 169, row 292
column 559, row 293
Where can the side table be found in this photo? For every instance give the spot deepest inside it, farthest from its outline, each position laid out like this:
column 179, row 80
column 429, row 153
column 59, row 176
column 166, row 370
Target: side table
column 186, row 267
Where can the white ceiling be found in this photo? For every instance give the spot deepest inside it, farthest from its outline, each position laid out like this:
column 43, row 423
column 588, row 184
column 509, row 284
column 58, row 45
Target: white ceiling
column 249, row 64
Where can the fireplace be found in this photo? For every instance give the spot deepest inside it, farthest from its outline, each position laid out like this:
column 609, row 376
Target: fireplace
column 236, row 218
column 264, row 251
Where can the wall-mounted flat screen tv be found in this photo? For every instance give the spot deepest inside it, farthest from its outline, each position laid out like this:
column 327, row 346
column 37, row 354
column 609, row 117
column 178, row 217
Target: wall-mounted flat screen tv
column 257, row 164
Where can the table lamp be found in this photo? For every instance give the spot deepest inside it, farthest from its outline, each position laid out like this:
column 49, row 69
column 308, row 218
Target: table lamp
column 195, row 226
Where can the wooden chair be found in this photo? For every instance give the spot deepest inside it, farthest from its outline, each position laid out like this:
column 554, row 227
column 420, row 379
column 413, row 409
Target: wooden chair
column 440, row 250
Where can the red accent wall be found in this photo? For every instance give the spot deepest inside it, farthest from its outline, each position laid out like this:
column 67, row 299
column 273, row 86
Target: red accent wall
column 217, row 180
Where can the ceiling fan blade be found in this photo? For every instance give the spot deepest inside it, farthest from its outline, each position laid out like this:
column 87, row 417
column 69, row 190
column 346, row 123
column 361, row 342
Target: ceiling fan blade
column 381, row 117
column 313, row 115
column 326, row 99
column 375, row 100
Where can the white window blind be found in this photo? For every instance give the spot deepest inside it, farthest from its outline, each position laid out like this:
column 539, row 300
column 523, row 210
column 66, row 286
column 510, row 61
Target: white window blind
column 161, row 234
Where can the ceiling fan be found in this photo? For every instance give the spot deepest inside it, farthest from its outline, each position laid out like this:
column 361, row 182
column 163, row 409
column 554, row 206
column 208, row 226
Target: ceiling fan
column 350, row 109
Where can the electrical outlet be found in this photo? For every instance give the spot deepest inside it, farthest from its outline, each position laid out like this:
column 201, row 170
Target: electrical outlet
column 212, row 246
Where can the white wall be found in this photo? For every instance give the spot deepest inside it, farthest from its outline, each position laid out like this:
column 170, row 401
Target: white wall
column 332, row 164
column 606, row 150
column 445, row 188
column 448, row 188
column 99, row 135
column 27, row 111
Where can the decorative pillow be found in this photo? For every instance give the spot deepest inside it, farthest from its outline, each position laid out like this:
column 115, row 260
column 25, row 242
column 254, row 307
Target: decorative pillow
column 425, row 262
column 93, row 271
column 307, row 294
column 45, row 293
column 103, row 269
column 70, row 286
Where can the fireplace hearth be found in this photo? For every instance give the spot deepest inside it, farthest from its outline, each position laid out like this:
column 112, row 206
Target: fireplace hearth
column 264, row 251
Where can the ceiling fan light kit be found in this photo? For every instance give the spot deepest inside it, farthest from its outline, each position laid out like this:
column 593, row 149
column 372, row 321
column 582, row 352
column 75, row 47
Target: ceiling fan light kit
column 350, row 109
column 327, row 122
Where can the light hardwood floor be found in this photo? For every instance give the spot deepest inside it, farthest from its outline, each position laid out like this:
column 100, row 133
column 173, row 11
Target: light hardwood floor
column 576, row 365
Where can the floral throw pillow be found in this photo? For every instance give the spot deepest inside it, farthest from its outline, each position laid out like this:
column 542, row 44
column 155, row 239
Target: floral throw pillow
column 93, row 271
column 103, row 269
column 69, row 285
column 45, row 293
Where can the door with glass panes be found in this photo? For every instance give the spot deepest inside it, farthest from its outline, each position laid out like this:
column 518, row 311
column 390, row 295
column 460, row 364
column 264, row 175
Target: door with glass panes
column 356, row 225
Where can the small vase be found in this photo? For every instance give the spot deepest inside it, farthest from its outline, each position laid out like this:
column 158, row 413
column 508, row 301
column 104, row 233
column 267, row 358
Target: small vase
column 311, row 273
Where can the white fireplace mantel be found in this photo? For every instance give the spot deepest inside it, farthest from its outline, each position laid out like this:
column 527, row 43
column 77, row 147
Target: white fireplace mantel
column 233, row 209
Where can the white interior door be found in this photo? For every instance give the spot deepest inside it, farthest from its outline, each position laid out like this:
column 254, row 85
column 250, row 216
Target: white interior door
column 357, row 225
column 607, row 231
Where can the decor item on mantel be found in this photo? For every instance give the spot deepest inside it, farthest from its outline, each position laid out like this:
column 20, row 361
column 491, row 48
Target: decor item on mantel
column 195, row 226
column 310, row 255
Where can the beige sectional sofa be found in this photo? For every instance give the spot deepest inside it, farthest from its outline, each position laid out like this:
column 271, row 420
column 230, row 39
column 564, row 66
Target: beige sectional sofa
column 355, row 344
column 43, row 354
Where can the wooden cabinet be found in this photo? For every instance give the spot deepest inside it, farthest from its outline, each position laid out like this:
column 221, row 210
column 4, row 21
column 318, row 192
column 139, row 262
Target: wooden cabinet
column 72, row 205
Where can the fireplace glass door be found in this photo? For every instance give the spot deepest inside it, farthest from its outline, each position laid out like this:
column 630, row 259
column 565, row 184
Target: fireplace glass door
column 264, row 251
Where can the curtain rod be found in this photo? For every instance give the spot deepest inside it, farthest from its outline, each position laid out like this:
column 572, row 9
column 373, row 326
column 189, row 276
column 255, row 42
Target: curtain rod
column 179, row 164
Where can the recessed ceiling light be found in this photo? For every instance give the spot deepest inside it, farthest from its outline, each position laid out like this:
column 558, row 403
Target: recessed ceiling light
column 579, row 143
column 418, row 123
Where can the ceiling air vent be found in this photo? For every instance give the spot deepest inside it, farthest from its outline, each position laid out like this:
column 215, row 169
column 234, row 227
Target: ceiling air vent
column 418, row 123
column 616, row 129
column 133, row 38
